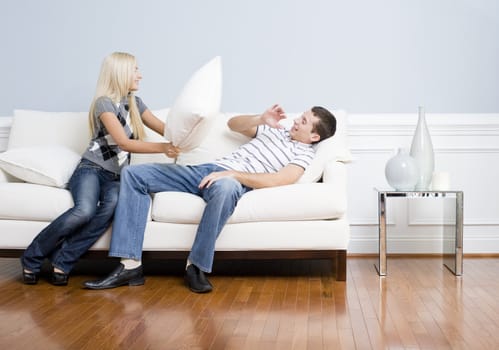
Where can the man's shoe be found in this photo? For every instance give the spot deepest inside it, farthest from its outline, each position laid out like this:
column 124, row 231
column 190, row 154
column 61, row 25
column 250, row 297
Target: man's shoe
column 196, row 280
column 119, row 277
column 59, row 278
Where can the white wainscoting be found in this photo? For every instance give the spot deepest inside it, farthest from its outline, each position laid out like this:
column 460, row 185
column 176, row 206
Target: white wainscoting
column 465, row 145
column 4, row 132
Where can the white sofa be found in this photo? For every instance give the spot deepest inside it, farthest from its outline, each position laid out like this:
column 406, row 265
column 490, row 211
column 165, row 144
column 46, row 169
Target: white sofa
column 303, row 220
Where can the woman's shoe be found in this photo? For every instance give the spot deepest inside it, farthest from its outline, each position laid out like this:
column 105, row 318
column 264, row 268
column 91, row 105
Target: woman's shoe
column 59, row 278
column 30, row 277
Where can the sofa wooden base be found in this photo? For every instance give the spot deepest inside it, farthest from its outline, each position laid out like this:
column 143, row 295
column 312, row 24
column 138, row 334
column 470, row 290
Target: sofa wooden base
column 338, row 257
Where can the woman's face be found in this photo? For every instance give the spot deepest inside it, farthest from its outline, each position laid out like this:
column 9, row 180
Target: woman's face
column 135, row 79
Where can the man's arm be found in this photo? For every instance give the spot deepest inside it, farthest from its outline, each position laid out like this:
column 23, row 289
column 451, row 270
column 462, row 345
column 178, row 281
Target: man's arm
column 286, row 176
column 247, row 124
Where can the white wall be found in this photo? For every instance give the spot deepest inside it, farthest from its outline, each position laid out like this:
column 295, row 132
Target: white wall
column 365, row 56
column 466, row 145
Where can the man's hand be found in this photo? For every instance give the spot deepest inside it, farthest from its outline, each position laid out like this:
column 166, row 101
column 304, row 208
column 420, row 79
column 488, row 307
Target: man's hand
column 273, row 115
column 209, row 179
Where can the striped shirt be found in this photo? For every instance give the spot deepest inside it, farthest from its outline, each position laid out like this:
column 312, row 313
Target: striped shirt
column 270, row 150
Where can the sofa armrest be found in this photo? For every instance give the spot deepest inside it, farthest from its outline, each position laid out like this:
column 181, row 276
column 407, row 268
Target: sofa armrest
column 335, row 175
column 335, row 172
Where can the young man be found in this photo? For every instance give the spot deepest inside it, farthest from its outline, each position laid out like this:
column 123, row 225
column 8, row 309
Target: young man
column 274, row 157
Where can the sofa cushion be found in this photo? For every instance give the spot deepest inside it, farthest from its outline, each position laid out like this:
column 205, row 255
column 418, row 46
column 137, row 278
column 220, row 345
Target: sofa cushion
column 35, row 128
column 221, row 141
column 23, row 201
column 199, row 102
column 43, row 165
column 293, row 202
column 30, row 202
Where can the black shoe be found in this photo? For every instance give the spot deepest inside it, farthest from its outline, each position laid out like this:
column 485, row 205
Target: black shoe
column 119, row 277
column 196, row 280
column 59, row 278
column 30, row 277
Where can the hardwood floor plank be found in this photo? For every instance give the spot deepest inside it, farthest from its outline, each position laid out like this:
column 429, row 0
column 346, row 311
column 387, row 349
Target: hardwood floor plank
column 259, row 305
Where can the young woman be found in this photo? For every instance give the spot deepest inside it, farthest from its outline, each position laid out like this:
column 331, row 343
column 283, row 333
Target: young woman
column 116, row 119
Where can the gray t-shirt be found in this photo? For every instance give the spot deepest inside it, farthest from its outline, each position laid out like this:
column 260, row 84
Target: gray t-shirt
column 102, row 149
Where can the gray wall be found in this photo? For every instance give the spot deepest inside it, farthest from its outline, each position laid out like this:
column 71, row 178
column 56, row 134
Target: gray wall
column 365, row 56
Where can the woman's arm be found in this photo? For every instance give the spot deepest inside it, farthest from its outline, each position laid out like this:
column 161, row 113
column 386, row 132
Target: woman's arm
column 115, row 129
column 153, row 123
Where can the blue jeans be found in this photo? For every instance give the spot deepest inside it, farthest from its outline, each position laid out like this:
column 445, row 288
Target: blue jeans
column 138, row 181
column 67, row 238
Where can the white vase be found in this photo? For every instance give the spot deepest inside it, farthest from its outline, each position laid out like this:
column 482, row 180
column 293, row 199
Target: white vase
column 401, row 171
column 422, row 152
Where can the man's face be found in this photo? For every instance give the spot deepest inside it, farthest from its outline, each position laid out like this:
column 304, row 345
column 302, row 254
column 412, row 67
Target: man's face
column 302, row 128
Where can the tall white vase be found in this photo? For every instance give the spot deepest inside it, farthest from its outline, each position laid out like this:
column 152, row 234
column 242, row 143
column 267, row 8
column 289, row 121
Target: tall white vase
column 422, row 152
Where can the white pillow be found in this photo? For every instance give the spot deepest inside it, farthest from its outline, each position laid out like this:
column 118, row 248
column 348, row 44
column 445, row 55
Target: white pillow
column 333, row 148
column 197, row 105
column 43, row 165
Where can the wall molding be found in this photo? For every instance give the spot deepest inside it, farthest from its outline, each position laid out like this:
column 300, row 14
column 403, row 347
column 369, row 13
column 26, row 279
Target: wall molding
column 391, row 124
column 5, row 123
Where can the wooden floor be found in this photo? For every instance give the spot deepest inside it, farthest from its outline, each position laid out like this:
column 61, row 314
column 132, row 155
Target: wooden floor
column 260, row 305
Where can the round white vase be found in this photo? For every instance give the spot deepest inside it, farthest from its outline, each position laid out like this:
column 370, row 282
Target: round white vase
column 401, row 171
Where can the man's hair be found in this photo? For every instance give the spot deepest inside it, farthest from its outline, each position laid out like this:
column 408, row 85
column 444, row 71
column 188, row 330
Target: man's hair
column 326, row 126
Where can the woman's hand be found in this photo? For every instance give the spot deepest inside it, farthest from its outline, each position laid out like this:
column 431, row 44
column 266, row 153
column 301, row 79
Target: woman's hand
column 170, row 150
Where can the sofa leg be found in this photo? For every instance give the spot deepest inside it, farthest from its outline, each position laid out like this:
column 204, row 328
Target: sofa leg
column 341, row 265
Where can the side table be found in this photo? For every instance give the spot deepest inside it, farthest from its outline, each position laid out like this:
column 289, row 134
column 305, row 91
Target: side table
column 453, row 257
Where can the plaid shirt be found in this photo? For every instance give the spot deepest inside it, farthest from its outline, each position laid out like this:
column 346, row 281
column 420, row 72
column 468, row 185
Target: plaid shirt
column 102, row 149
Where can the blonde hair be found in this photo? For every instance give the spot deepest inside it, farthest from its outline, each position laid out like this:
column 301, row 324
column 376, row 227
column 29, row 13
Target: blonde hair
column 115, row 81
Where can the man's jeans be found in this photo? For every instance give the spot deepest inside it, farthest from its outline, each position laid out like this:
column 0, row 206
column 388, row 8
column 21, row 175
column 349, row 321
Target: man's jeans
column 138, row 181
column 67, row 238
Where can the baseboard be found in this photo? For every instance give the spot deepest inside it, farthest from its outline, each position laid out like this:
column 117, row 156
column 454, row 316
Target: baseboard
column 424, row 255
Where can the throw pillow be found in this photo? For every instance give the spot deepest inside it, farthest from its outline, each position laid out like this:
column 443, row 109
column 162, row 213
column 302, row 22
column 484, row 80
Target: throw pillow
column 43, row 165
column 197, row 105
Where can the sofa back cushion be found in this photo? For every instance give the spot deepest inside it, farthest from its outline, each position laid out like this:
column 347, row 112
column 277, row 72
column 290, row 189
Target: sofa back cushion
column 69, row 129
column 221, row 141
column 35, row 128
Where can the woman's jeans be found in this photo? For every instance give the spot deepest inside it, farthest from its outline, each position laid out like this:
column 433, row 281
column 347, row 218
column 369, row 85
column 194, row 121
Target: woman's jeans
column 138, row 181
column 67, row 238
